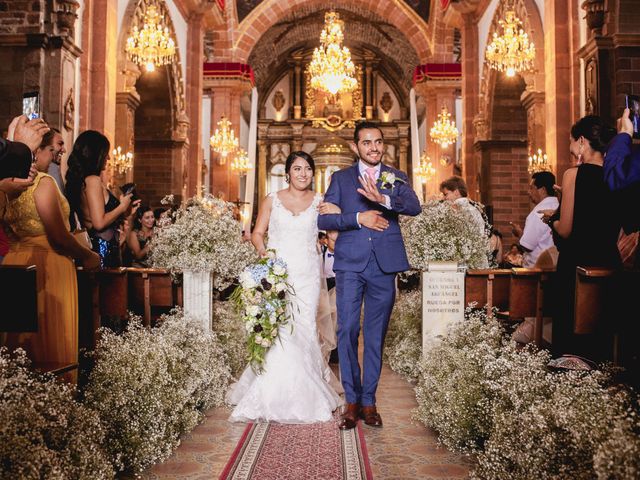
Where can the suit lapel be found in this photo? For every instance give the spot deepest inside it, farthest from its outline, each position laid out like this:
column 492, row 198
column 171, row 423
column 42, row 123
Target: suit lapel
column 355, row 173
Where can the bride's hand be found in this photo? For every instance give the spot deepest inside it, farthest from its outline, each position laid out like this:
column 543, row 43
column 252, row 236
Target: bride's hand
column 328, row 208
column 262, row 252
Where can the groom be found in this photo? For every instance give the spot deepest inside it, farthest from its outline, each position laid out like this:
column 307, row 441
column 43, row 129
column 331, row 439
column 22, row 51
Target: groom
column 368, row 254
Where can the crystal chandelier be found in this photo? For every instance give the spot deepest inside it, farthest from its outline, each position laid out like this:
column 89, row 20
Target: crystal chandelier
column 224, row 140
column 331, row 68
column 538, row 162
column 512, row 52
column 121, row 162
column 425, row 170
column 153, row 44
column 444, row 131
column 241, row 163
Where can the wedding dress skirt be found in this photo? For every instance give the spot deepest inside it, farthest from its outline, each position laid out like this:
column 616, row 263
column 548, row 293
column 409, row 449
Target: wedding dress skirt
column 294, row 386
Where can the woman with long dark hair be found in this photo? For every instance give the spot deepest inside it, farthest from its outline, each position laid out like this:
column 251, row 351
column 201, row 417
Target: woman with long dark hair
column 97, row 209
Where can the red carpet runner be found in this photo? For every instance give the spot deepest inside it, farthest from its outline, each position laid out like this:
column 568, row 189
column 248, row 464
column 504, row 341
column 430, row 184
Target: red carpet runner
column 318, row 451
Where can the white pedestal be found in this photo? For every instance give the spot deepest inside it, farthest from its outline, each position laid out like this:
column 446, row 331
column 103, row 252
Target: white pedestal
column 198, row 296
column 442, row 299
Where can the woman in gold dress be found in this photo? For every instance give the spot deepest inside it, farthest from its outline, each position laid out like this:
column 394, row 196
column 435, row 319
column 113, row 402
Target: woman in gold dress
column 39, row 220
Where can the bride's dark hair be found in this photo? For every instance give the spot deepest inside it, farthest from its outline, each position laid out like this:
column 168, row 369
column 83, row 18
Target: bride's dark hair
column 299, row 154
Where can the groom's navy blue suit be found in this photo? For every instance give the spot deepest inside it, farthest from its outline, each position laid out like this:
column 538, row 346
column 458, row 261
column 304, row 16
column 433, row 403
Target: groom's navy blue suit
column 366, row 263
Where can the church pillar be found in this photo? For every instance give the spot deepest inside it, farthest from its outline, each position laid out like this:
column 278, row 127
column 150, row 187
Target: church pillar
column 297, row 88
column 533, row 102
column 126, row 104
column 193, row 100
column 263, row 149
column 470, row 87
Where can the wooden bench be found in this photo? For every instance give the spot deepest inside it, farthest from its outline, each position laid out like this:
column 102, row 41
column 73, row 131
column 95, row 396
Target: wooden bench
column 488, row 287
column 150, row 288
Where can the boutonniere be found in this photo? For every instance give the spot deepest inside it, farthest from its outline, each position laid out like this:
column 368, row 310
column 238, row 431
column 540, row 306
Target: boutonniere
column 388, row 179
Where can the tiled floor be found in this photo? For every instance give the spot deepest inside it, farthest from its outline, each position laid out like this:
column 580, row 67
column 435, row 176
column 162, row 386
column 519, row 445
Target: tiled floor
column 401, row 450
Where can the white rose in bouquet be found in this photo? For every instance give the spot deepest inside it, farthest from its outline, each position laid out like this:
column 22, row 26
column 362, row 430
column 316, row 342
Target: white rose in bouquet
column 279, row 270
column 253, row 311
column 281, row 287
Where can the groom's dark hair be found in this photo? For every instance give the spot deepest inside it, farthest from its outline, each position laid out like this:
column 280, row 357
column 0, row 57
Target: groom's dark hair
column 362, row 126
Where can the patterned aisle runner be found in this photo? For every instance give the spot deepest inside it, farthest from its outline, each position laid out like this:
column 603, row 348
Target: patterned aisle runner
column 319, row 451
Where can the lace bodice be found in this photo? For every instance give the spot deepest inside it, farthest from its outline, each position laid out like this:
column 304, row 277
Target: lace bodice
column 22, row 214
column 294, row 237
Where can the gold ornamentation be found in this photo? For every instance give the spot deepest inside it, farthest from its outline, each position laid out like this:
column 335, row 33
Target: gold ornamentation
column 425, row 170
column 121, row 162
column 224, row 140
column 386, row 102
column 153, row 44
column 240, row 162
column 444, row 130
column 278, row 100
column 511, row 52
column 538, row 162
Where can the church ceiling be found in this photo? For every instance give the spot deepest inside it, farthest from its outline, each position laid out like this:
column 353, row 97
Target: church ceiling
column 301, row 30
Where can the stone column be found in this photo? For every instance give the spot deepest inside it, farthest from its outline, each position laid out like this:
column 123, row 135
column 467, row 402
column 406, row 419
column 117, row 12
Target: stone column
column 533, row 102
column 126, row 105
column 470, row 88
column 193, row 101
column 297, row 88
column 263, row 150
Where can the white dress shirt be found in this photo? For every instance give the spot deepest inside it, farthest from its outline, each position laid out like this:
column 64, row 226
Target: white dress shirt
column 536, row 235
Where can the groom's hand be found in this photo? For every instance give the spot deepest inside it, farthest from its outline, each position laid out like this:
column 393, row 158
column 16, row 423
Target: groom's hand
column 370, row 190
column 373, row 219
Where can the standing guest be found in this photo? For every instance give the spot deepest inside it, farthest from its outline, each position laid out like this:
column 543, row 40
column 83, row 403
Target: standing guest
column 39, row 221
column 58, row 152
column 98, row 210
column 536, row 236
column 588, row 224
column 139, row 239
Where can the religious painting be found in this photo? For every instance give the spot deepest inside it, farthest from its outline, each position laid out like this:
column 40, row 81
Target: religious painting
column 245, row 7
column 421, row 7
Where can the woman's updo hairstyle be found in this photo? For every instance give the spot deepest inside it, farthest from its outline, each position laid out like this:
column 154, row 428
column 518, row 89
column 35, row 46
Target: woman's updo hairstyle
column 595, row 131
column 299, row 154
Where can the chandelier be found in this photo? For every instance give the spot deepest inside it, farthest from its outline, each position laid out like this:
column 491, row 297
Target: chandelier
column 331, row 68
column 512, row 52
column 153, row 44
column 241, row 163
column 444, row 131
column 224, row 140
column 121, row 162
column 538, row 162
column 425, row 170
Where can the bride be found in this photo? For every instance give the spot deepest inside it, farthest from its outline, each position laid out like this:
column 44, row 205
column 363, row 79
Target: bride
column 295, row 385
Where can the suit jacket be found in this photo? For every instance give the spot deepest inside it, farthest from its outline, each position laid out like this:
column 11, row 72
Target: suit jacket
column 15, row 159
column 355, row 243
column 621, row 165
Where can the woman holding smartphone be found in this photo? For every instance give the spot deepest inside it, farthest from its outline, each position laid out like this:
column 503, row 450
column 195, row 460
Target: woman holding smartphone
column 97, row 209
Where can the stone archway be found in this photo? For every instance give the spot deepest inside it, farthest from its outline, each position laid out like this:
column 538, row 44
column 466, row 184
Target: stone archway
column 150, row 115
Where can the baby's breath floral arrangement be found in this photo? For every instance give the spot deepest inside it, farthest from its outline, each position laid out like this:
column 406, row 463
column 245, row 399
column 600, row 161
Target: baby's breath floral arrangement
column 403, row 343
column 231, row 332
column 151, row 386
column 44, row 431
column 203, row 236
column 444, row 232
column 261, row 298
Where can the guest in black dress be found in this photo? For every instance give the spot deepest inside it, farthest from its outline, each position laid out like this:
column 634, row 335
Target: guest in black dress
column 587, row 225
column 93, row 206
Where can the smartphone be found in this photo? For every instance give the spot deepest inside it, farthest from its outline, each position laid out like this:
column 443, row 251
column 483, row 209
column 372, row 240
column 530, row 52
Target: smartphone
column 129, row 188
column 31, row 105
column 632, row 102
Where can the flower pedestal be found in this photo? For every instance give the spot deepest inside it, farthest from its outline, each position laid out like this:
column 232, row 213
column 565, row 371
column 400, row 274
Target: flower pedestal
column 198, row 296
column 442, row 299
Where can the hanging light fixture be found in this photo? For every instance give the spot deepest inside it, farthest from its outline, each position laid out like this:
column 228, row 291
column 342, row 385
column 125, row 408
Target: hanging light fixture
column 512, row 52
column 121, row 162
column 240, row 162
column 444, row 130
column 153, row 44
column 538, row 162
column 224, row 140
column 425, row 170
column 331, row 68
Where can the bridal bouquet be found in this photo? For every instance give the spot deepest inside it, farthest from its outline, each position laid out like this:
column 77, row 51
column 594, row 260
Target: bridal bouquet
column 261, row 300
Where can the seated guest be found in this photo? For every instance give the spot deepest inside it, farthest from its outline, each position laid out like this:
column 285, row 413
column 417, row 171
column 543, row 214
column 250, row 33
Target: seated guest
column 536, row 236
column 39, row 221
column 139, row 239
column 98, row 210
column 514, row 257
column 495, row 248
column 588, row 224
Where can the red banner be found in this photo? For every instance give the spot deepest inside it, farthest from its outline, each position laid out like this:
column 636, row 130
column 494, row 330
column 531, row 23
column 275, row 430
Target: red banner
column 228, row 70
column 437, row 71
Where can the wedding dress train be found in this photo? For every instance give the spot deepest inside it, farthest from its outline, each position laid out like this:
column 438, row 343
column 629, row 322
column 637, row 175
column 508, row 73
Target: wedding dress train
column 294, row 387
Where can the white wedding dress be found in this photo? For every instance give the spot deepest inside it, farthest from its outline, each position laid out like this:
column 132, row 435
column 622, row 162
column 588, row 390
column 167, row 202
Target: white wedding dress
column 294, row 387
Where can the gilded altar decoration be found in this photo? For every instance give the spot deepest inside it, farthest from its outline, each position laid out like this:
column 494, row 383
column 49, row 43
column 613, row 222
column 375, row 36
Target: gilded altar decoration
column 152, row 45
column 511, row 52
column 333, row 112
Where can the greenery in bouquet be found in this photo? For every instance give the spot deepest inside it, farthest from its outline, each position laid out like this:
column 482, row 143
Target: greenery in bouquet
column 444, row 232
column 403, row 343
column 151, row 386
column 261, row 298
column 203, row 236
column 44, row 431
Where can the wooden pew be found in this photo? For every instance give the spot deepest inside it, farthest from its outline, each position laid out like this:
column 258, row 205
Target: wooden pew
column 152, row 287
column 488, row 287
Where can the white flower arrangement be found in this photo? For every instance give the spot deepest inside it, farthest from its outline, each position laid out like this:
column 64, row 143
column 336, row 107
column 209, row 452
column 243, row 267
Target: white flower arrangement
column 204, row 236
column 388, row 180
column 44, row 431
column 232, row 335
column 151, row 386
column 261, row 298
column 443, row 232
column 403, row 343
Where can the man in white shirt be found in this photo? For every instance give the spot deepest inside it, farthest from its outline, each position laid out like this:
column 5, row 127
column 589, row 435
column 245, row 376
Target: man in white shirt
column 536, row 236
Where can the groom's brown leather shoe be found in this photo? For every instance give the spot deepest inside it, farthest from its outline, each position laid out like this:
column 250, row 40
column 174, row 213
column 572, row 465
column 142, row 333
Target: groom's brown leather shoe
column 349, row 417
column 371, row 416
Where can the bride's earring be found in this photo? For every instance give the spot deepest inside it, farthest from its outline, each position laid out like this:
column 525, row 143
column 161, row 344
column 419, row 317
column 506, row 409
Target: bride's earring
column 580, row 156
column 287, row 178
